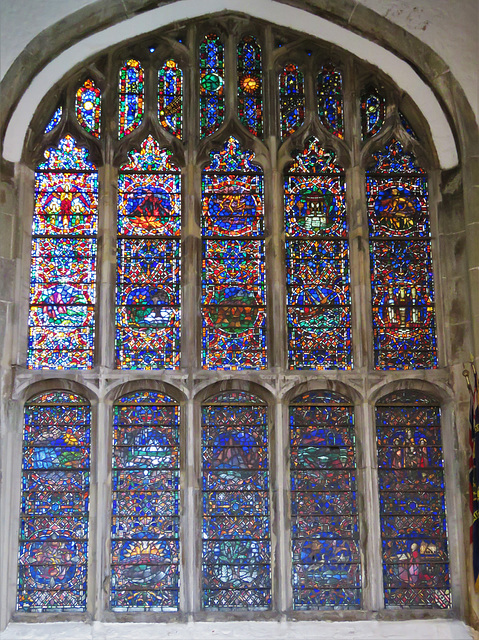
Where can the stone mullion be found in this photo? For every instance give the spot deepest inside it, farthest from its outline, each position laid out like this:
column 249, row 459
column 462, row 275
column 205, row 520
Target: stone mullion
column 190, row 515
column 100, row 512
column 106, row 267
column 368, row 508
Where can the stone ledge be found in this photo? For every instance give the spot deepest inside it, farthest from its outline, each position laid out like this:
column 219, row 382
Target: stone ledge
column 261, row 630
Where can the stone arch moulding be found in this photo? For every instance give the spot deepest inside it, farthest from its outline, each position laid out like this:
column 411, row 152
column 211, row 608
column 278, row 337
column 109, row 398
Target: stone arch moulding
column 271, row 10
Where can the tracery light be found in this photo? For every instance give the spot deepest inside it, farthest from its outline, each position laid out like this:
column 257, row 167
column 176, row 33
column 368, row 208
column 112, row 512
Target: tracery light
column 88, row 107
column 170, row 97
column 131, row 97
column 212, row 80
column 55, row 504
column 291, row 99
column 330, row 99
column 373, row 111
column 250, row 80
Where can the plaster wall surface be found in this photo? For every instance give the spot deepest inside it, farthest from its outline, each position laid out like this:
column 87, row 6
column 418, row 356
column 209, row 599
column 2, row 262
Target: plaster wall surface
column 448, row 27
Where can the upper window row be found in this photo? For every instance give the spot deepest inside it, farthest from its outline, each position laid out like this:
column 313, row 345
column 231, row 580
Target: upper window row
column 292, row 86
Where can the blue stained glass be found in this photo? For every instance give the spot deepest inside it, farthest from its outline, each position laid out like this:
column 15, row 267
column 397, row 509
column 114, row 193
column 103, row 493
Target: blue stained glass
column 149, row 260
column 54, row 120
column 412, row 503
column 145, row 503
column 324, row 521
column 54, row 507
column 233, row 292
column 317, row 262
column 401, row 263
column 236, row 544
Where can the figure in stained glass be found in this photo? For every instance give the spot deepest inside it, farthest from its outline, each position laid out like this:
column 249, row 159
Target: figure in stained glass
column 317, row 262
column 63, row 260
column 234, row 333
column 324, row 521
column 411, row 492
column 401, row 263
column 236, row 539
column 145, row 505
column 148, row 285
column 54, row 507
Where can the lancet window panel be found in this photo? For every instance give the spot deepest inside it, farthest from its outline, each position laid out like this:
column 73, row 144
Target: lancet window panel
column 401, row 264
column 412, row 502
column 149, row 260
column 233, row 288
column 212, row 81
column 236, row 558
column 54, row 514
column 317, row 262
column 324, row 514
column 63, row 260
column 131, row 97
column 145, row 544
column 250, row 80
column 170, row 97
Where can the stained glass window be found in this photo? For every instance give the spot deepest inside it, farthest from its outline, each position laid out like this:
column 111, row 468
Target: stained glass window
column 291, row 99
column 324, row 519
column 145, row 506
column 330, row 99
column 170, row 97
column 236, row 536
column 373, row 112
column 401, row 264
column 131, row 92
column 406, row 126
column 413, row 511
column 54, row 120
column 88, row 107
column 63, row 262
column 148, row 284
column 250, row 99
column 317, row 262
column 212, row 80
column 54, row 504
column 233, row 296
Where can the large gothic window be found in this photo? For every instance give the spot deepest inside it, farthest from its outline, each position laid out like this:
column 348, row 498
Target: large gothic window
column 232, row 255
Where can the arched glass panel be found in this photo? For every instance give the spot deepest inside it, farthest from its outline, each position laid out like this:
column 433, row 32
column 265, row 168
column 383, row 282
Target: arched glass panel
column 54, row 120
column 291, row 99
column 373, row 112
column 55, row 502
column 148, row 285
column 131, row 97
column 145, row 506
column 170, row 97
column 63, row 263
column 212, row 80
column 330, row 99
column 236, row 535
column 250, row 98
column 88, row 107
column 401, row 263
column 406, row 126
column 324, row 518
column 234, row 296
column 413, row 510
column 317, row 262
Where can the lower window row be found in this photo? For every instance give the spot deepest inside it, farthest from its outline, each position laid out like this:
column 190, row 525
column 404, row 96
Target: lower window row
column 236, row 529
